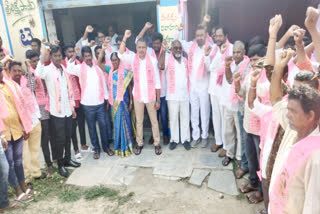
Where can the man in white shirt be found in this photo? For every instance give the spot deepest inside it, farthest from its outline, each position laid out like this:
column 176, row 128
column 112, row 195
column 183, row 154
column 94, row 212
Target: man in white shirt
column 236, row 63
column 155, row 52
column 176, row 70
column 146, row 91
column 216, row 89
column 94, row 96
column 113, row 35
column 61, row 106
column 199, row 80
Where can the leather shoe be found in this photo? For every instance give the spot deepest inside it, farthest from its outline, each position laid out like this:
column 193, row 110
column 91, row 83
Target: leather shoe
column 63, row 171
column 72, row 163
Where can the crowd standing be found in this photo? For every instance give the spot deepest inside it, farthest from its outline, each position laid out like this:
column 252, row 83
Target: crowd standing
column 262, row 97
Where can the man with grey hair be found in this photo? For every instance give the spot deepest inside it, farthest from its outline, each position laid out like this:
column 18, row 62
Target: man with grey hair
column 236, row 63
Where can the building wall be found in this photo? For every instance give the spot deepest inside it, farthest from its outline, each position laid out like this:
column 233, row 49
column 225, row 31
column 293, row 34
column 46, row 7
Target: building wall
column 23, row 20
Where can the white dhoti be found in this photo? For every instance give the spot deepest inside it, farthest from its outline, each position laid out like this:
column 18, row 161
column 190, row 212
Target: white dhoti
column 218, row 120
column 232, row 136
column 179, row 110
column 200, row 102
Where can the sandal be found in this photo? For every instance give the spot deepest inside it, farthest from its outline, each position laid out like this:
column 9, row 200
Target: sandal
column 247, row 188
column 157, row 150
column 254, row 199
column 24, row 198
column 138, row 149
column 96, row 155
column 110, row 152
column 240, row 173
column 226, row 161
column 29, row 192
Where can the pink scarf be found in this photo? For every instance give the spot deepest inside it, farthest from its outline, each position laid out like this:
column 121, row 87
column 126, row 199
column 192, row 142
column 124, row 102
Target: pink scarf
column 120, row 84
column 74, row 80
column 220, row 72
column 3, row 112
column 233, row 96
column 268, row 130
column 5, row 51
column 172, row 74
column 150, row 78
column 153, row 54
column 27, row 95
column 83, row 79
column 209, row 39
column 24, row 114
column 291, row 66
column 201, row 70
column 297, row 158
column 58, row 89
column 41, row 96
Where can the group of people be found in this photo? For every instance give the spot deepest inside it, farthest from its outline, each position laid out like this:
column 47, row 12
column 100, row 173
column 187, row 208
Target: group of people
column 263, row 99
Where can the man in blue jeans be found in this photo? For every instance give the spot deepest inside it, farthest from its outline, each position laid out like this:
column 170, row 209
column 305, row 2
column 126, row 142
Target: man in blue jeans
column 94, row 96
column 4, row 172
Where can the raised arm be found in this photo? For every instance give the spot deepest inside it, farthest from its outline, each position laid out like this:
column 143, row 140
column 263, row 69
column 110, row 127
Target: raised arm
column 146, row 27
column 101, row 60
column 72, row 68
column 275, row 87
column 286, row 36
column 253, row 87
column 311, row 24
column 309, row 49
column 40, row 70
column 274, row 26
column 126, row 36
column 89, row 29
column 298, row 38
column 206, row 20
column 228, row 71
column 162, row 58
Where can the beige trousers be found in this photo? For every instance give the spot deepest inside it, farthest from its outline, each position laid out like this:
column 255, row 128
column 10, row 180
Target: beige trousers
column 139, row 110
column 31, row 150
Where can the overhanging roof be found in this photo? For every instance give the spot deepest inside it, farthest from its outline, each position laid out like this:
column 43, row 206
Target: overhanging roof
column 61, row 4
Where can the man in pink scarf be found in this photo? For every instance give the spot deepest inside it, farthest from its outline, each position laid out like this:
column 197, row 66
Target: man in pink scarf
column 146, row 91
column 156, row 51
column 199, row 80
column 216, row 87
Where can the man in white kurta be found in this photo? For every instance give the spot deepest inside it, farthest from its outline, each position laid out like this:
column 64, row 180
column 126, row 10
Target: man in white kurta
column 199, row 97
column 177, row 95
column 215, row 90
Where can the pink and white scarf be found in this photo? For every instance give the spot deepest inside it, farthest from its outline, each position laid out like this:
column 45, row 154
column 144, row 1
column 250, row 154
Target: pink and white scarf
column 150, row 78
column 172, row 74
column 220, row 72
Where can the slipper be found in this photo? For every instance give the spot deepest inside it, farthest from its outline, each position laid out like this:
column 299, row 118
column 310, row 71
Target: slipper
column 12, row 205
column 138, row 149
column 247, row 188
column 24, row 198
column 96, row 155
column 226, row 161
column 157, row 150
column 254, row 199
column 29, row 192
column 110, row 152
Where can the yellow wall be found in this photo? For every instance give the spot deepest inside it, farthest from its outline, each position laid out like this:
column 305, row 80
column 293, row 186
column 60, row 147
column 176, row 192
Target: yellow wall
column 24, row 23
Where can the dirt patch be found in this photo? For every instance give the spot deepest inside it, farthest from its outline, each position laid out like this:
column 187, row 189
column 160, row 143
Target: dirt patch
column 145, row 195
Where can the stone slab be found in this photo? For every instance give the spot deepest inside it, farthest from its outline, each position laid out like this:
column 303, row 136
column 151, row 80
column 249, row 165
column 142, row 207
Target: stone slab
column 147, row 158
column 198, row 176
column 204, row 159
column 88, row 176
column 173, row 171
column 120, row 175
column 223, row 181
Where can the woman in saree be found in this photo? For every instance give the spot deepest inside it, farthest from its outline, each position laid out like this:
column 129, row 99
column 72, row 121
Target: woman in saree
column 120, row 98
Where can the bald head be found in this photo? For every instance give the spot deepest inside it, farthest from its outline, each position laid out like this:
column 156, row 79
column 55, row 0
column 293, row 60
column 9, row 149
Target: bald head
column 238, row 51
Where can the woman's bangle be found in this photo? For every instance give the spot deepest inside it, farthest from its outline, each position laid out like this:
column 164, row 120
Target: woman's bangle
column 251, row 87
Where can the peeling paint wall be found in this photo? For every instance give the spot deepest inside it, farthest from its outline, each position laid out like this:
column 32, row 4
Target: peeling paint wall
column 23, row 20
